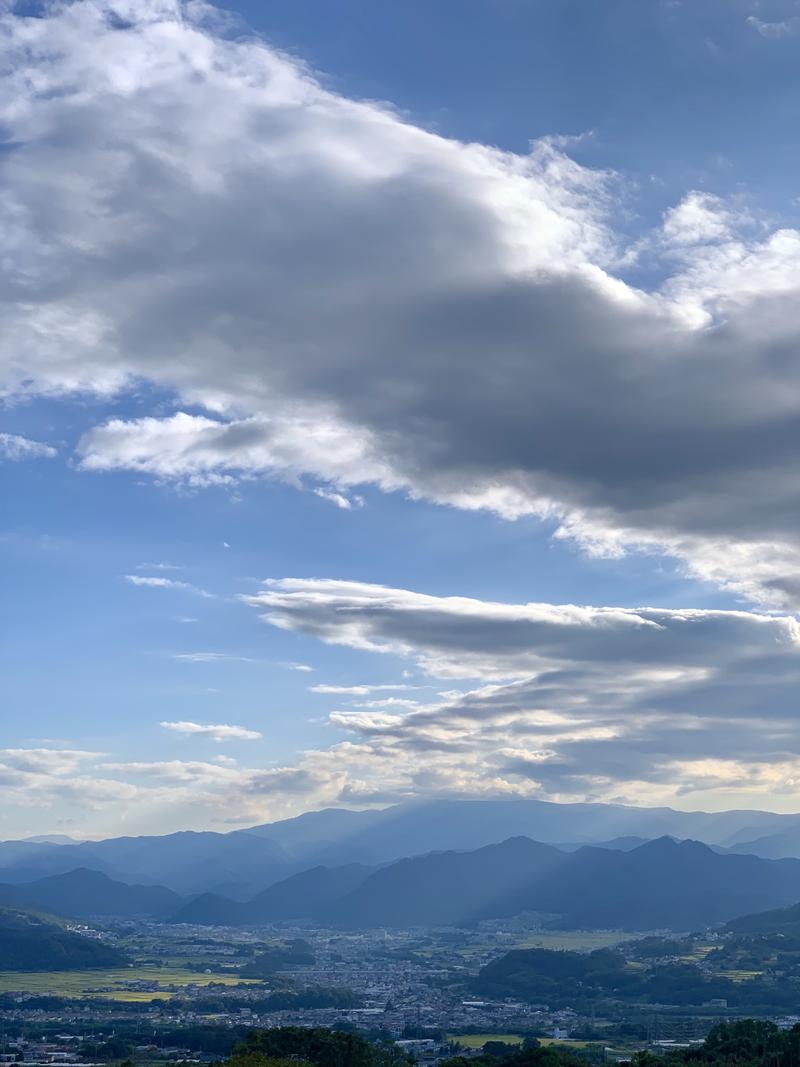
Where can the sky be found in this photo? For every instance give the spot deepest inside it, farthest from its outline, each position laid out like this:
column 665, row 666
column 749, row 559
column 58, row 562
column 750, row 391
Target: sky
column 397, row 401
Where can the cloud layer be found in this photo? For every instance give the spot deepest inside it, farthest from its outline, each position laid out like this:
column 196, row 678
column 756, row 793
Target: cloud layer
column 606, row 702
column 345, row 298
column 559, row 701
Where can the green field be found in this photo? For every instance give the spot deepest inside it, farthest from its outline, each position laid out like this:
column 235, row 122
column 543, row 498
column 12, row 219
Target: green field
column 479, row 1040
column 698, row 953
column 574, row 940
column 565, row 1041
column 739, row 975
column 112, row 984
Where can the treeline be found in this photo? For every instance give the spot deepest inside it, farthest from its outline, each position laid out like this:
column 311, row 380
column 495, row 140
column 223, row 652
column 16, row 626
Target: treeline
column 745, row 1043
column 312, row 997
column 577, row 979
column 289, row 1046
column 295, row 953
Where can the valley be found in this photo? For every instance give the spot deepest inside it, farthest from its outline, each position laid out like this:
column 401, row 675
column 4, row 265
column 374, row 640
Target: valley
column 621, row 944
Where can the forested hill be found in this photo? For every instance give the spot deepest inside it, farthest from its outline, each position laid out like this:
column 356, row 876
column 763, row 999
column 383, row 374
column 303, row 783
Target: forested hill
column 84, row 894
column 32, row 943
column 783, row 921
column 662, row 884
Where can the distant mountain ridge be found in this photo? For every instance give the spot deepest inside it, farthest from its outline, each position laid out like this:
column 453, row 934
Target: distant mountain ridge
column 661, row 884
column 413, row 828
column 242, row 863
column 86, row 894
column 186, row 862
column 680, row 885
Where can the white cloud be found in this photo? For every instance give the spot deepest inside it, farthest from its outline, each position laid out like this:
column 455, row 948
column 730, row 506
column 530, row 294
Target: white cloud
column 216, row 731
column 14, row 448
column 152, row 582
column 212, row 657
column 205, row 451
column 48, row 778
column 339, row 500
column 775, row 31
column 359, row 690
column 190, row 772
column 698, row 219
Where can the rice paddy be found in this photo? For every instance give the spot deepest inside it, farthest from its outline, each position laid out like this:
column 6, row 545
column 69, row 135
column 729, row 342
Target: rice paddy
column 117, row 984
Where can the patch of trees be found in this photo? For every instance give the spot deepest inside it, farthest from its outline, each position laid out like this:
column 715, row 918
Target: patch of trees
column 576, row 979
column 530, row 1055
column 280, row 1000
column 744, row 1043
column 651, row 948
column 549, row 976
column 296, row 953
column 317, row 1046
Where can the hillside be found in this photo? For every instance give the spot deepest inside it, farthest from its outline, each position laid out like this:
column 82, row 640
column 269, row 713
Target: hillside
column 782, row 921
column 84, row 894
column 660, row 884
column 447, row 888
column 302, row 896
column 680, row 885
column 33, row 943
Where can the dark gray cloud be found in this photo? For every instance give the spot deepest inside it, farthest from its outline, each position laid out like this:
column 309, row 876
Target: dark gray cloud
column 355, row 300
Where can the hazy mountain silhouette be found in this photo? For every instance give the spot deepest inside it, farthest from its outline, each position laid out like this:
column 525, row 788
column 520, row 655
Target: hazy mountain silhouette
column 660, row 884
column 785, row 843
column 82, row 894
column 244, row 862
column 302, row 896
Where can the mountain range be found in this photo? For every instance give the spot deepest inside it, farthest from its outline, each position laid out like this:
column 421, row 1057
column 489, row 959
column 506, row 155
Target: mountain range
column 241, row 863
column 662, row 884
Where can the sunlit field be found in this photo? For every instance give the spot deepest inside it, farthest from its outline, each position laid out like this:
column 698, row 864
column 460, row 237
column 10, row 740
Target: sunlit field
column 478, row 1040
column 574, row 940
column 111, row 984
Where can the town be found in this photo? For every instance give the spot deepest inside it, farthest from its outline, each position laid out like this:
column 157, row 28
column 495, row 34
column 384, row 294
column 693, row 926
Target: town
column 193, row 991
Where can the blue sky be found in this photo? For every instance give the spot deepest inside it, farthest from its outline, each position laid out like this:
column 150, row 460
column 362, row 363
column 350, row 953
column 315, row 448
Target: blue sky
column 484, row 309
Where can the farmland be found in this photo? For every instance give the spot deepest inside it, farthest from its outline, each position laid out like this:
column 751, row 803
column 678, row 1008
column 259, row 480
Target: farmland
column 119, row 984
